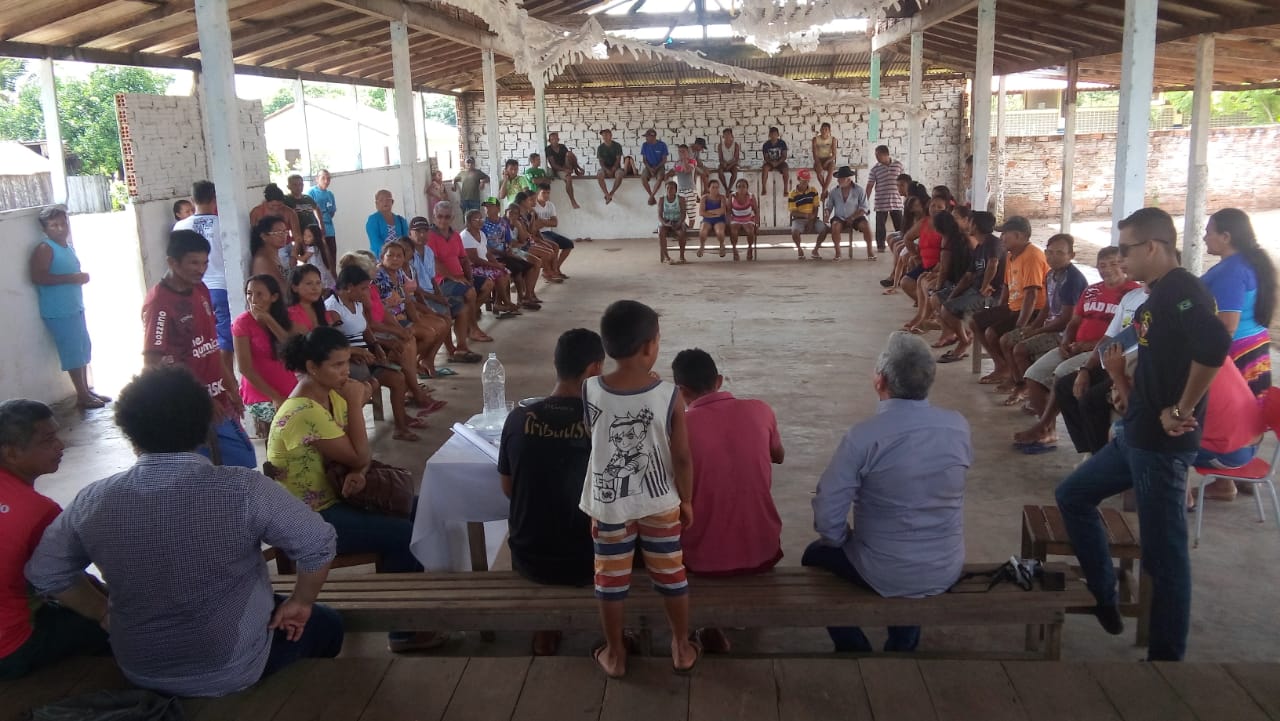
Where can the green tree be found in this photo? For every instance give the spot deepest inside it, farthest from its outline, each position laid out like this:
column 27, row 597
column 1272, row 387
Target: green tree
column 1262, row 106
column 87, row 113
column 441, row 108
column 284, row 96
column 11, row 71
column 375, row 98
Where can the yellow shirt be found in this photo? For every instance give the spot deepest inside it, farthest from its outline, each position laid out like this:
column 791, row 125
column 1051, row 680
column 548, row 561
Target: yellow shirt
column 298, row 424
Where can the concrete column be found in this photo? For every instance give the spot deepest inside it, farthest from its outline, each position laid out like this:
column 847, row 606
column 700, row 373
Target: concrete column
column 300, row 102
column 914, row 165
column 1198, row 170
column 985, row 59
column 420, row 108
column 406, row 128
column 53, row 131
column 540, row 113
column 1001, row 101
column 355, row 126
column 222, row 142
column 491, row 118
column 1069, row 144
column 873, row 117
column 1137, row 65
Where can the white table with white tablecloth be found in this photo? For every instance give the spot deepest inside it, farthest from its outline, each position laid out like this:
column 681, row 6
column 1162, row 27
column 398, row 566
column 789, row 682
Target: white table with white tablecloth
column 460, row 502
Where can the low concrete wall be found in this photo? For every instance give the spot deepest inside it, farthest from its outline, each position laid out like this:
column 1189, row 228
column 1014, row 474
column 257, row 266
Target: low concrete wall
column 29, row 365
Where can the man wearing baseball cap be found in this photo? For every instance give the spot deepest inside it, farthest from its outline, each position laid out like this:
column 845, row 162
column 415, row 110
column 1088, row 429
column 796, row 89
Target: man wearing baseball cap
column 846, row 209
column 803, row 205
column 1022, row 297
column 654, row 152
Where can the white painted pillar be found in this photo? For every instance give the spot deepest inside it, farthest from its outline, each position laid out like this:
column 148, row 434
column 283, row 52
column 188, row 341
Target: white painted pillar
column 406, row 128
column 1069, row 145
column 1001, row 101
column 1136, row 68
column 222, row 142
column 985, row 59
column 915, row 165
column 873, row 118
column 300, row 102
column 53, row 131
column 355, row 126
column 540, row 114
column 491, row 119
column 1198, row 170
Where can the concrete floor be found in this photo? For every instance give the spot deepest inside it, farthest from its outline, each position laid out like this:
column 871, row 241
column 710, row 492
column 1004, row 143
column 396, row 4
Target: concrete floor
column 803, row 336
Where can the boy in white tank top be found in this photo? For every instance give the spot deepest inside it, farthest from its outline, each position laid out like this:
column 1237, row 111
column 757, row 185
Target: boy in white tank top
column 639, row 482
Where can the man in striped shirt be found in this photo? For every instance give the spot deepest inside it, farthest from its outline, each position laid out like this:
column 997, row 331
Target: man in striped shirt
column 882, row 185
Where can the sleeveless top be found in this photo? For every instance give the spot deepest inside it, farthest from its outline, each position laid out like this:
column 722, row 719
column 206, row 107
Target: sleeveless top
column 930, row 245
column 630, row 473
column 741, row 213
column 67, row 299
column 714, row 204
column 822, row 148
column 727, row 152
column 672, row 210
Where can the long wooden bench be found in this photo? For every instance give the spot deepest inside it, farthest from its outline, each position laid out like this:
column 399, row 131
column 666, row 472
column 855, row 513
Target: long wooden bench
column 783, row 598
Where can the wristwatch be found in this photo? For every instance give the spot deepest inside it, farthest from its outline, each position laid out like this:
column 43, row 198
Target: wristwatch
column 1177, row 414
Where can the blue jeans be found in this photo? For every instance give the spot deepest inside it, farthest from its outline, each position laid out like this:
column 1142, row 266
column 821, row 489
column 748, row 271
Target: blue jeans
column 222, row 316
column 1225, row 461
column 361, row 531
column 1160, row 483
column 233, row 445
column 851, row 638
column 321, row 638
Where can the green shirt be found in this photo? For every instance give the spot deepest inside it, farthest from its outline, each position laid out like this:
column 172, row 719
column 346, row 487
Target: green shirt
column 514, row 186
column 609, row 154
column 535, row 174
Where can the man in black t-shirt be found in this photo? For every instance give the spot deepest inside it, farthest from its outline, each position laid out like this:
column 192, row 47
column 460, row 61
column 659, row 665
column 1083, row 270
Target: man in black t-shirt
column 543, row 462
column 1181, row 346
column 304, row 205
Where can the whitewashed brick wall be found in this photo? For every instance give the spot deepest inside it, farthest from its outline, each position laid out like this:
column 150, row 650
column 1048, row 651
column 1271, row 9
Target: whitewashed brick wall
column 681, row 117
column 162, row 139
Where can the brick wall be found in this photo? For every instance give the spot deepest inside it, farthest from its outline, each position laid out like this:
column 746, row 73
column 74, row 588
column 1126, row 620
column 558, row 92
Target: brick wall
column 162, row 141
column 681, row 116
column 1243, row 171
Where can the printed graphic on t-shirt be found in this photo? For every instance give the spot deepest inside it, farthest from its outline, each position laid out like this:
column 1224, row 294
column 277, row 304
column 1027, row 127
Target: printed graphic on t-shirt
column 634, row 467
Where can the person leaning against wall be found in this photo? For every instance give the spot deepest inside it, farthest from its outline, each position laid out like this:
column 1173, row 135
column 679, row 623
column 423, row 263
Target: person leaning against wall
column 55, row 271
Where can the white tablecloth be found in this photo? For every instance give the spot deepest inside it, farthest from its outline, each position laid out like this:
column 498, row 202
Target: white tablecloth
column 460, row 484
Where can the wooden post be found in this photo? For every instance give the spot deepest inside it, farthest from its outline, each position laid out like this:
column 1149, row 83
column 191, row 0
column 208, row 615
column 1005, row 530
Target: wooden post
column 300, row 102
column 1136, row 68
column 491, row 118
column 222, row 141
column 1001, row 130
column 407, row 129
column 1198, row 170
column 540, row 114
column 52, row 130
column 1069, row 144
column 985, row 59
column 915, row 165
column 355, row 129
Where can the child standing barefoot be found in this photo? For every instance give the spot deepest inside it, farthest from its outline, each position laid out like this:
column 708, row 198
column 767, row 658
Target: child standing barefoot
column 639, row 482
column 671, row 210
column 744, row 212
column 712, row 210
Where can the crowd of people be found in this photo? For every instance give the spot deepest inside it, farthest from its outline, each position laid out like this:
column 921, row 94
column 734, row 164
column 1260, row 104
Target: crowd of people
column 1136, row 365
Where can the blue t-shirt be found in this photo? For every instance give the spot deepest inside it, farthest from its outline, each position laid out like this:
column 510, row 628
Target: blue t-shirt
column 1234, row 286
column 328, row 206
column 654, row 152
column 1064, row 289
column 773, row 151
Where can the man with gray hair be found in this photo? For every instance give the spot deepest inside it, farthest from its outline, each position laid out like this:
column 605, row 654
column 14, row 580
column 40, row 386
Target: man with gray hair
column 903, row 472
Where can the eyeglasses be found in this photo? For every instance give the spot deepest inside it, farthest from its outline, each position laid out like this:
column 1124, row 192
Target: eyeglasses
column 1126, row 247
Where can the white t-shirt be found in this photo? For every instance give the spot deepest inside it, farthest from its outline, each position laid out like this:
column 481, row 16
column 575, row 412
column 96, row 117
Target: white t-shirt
column 1129, row 305
column 352, row 324
column 207, row 225
column 545, row 212
column 630, row 475
column 470, row 242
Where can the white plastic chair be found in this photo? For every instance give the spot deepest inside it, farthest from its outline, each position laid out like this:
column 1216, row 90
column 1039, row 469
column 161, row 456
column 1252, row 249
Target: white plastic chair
column 1257, row 472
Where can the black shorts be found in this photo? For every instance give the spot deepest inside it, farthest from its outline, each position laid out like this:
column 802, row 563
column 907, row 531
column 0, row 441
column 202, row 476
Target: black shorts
column 916, row 272
column 562, row 242
column 1000, row 319
column 514, row 265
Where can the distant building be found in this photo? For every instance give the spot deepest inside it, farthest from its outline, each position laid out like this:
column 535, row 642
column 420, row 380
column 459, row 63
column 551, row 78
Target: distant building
column 25, row 180
column 332, row 125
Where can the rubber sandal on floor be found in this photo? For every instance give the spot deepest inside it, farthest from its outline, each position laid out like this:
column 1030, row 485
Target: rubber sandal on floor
column 952, row 357
column 1035, row 449
column 697, row 656
column 595, row 656
column 446, row 371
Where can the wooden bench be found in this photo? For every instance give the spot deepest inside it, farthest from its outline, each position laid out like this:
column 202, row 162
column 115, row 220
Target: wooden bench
column 783, row 598
column 1044, row 535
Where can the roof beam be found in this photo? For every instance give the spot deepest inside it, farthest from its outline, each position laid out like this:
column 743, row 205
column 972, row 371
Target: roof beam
column 423, row 18
column 167, row 33
column 935, row 12
column 35, row 17
column 338, row 34
column 133, row 22
column 637, row 21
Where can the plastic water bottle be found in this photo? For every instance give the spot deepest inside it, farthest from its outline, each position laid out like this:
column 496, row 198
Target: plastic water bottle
column 494, row 382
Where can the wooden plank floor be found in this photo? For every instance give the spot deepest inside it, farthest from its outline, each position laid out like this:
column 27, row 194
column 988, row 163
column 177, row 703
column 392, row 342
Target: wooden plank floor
column 721, row 689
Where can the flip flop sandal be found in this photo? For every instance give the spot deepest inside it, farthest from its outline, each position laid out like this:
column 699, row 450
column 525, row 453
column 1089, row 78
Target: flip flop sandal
column 446, row 371
column 595, row 656
column 886, row 282
column 950, row 357
column 1035, row 449
column 434, row 407
column 416, row 422
column 697, row 656
column 947, row 344
column 405, row 436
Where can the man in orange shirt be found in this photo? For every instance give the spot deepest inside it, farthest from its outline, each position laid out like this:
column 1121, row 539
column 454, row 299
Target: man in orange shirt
column 1023, row 295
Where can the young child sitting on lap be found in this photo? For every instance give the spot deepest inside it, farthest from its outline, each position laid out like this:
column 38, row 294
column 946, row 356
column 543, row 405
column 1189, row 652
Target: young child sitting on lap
column 639, row 483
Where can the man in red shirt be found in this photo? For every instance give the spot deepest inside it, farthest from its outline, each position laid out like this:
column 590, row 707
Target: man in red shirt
column 1097, row 305
column 454, row 276
column 180, row 329
column 734, row 443
column 32, row 634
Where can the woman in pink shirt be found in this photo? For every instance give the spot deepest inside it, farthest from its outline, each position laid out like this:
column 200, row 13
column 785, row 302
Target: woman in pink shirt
column 256, row 335
column 1233, row 428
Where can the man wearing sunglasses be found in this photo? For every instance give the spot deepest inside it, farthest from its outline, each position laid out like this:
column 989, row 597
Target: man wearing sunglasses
column 1181, row 345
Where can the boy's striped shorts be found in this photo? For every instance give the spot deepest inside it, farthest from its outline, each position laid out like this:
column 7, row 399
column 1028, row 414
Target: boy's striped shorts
column 615, row 546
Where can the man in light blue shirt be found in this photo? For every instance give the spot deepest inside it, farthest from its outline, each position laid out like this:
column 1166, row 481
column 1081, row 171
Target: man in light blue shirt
column 328, row 208
column 846, row 208
column 903, row 473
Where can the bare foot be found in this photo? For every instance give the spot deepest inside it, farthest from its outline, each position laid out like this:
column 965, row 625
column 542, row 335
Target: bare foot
column 405, row 435
column 612, row 662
